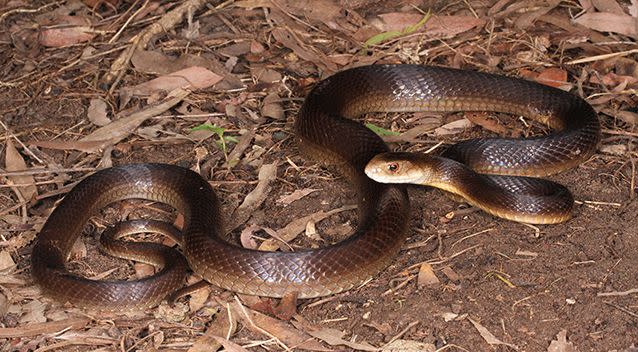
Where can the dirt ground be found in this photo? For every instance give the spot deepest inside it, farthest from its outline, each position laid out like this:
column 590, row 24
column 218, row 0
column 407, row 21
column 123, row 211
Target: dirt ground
column 501, row 285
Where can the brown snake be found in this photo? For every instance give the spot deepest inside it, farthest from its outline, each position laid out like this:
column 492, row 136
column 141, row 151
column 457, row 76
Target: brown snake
column 324, row 130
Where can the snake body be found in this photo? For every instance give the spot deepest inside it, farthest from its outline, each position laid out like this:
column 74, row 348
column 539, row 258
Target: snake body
column 323, row 129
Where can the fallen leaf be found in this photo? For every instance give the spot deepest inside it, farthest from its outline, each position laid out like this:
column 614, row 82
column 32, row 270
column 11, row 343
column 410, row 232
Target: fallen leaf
column 482, row 119
column 295, row 196
column 191, row 78
column 453, row 127
column 224, row 324
column 260, row 323
column 610, row 22
column 97, row 112
column 284, row 37
column 614, row 149
column 120, row 129
column 426, row 276
column 436, row 26
column 272, row 108
column 13, row 161
column 488, row 336
column 256, row 197
column 50, row 327
column 246, row 237
column 334, row 337
column 75, row 30
column 34, row 312
column 608, row 6
column 561, row 344
column 6, row 261
column 408, row 346
column 553, row 77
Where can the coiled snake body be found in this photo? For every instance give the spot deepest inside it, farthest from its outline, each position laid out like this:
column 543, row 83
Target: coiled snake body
column 323, row 130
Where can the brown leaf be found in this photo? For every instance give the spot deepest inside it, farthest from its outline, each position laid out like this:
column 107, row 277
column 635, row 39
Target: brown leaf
column 272, row 107
column 334, row 337
column 224, row 325
column 488, row 336
column 78, row 30
column 439, row 26
column 13, row 161
column 408, row 345
column 50, row 327
column 191, row 78
column 290, row 336
column 87, row 147
column 256, row 197
column 295, row 196
column 97, row 112
column 6, row 261
column 246, row 237
column 608, row 6
column 553, row 77
column 482, row 119
column 426, row 276
column 284, row 37
column 453, row 127
column 610, row 22
column 561, row 344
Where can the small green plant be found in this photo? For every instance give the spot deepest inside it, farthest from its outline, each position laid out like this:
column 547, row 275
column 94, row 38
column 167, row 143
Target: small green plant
column 381, row 131
column 219, row 132
column 385, row 36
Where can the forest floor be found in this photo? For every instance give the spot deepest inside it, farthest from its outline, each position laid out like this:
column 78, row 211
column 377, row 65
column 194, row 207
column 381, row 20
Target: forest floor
column 86, row 85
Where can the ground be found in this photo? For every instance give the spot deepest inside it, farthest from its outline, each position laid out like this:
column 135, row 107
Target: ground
column 499, row 285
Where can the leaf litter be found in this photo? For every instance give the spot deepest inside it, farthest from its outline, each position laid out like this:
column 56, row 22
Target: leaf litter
column 90, row 84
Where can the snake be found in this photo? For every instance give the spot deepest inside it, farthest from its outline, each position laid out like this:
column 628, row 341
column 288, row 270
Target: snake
column 325, row 129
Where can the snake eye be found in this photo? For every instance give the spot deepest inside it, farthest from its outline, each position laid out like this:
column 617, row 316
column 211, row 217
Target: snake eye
column 393, row 167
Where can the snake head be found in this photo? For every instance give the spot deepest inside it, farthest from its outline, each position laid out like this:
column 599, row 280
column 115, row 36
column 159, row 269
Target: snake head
column 399, row 167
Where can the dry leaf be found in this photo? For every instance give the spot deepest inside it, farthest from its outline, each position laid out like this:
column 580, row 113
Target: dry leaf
column 614, row 149
column 608, row 6
column 272, row 107
column 34, row 312
column 426, row 275
column 488, row 336
column 13, row 161
column 223, row 325
column 561, row 344
column 198, row 298
column 191, row 78
column 256, row 197
column 78, row 30
column 246, row 237
column 6, row 261
column 453, row 127
column 438, row 26
column 553, row 77
column 87, row 147
column 295, row 196
column 610, row 22
column 334, row 337
column 284, row 37
column 408, row 346
column 258, row 323
column 120, row 129
column 97, row 112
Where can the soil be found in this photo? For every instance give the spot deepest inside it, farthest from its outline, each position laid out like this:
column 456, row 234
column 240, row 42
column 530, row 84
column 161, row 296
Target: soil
column 523, row 284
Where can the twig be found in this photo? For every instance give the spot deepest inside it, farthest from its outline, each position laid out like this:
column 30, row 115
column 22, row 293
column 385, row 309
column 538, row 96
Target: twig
column 165, row 23
column 602, row 57
column 128, row 21
column 617, row 293
column 622, row 309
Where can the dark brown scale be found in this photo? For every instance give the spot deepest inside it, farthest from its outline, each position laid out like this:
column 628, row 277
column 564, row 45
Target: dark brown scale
column 323, row 131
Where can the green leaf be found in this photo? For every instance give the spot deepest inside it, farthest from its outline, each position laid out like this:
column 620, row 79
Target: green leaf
column 381, row 131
